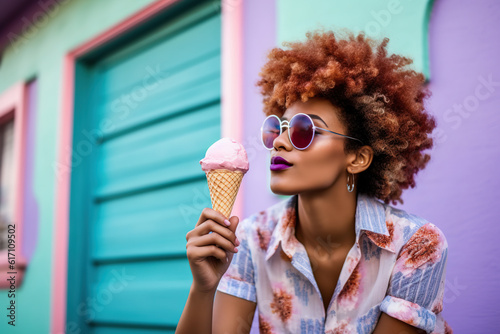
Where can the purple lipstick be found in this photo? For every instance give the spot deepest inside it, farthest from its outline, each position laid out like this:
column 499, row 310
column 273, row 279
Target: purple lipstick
column 278, row 163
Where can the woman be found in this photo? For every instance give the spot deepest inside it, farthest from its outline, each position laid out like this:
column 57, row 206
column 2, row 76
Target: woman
column 346, row 128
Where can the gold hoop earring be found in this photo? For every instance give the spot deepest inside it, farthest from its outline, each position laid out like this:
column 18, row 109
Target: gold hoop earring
column 350, row 187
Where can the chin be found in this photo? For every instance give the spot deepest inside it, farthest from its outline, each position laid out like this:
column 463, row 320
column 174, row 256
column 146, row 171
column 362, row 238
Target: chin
column 286, row 188
column 282, row 190
column 281, row 187
column 283, row 193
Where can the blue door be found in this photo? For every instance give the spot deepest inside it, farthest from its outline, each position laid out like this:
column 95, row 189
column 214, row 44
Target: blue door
column 149, row 108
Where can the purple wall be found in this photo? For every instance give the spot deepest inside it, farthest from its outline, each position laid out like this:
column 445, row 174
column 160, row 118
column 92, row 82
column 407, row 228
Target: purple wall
column 30, row 207
column 459, row 189
column 259, row 38
column 259, row 28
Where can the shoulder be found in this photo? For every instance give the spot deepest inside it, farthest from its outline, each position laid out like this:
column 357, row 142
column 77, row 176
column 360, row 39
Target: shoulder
column 418, row 242
column 410, row 225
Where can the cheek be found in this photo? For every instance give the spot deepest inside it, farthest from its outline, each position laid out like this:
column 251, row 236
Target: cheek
column 318, row 168
column 324, row 159
column 323, row 166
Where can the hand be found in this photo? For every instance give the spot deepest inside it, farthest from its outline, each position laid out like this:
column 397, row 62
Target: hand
column 210, row 248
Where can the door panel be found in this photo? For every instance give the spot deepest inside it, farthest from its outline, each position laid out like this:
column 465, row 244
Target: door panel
column 154, row 107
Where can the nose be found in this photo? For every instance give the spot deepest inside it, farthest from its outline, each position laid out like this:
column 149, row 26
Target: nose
column 283, row 141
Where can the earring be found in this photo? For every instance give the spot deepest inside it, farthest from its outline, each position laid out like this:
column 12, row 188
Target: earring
column 350, row 187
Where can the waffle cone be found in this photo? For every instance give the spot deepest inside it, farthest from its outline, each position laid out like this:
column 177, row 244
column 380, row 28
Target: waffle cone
column 223, row 185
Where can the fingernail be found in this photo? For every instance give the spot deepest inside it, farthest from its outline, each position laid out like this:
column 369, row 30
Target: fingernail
column 235, row 250
column 237, row 242
column 227, row 222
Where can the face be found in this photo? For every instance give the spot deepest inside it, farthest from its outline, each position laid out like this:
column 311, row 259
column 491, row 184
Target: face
column 319, row 166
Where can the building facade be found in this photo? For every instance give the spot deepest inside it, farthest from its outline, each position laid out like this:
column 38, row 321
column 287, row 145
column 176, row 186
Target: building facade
column 106, row 107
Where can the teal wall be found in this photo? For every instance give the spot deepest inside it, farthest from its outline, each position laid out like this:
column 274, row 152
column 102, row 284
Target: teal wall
column 39, row 54
column 405, row 22
column 128, row 192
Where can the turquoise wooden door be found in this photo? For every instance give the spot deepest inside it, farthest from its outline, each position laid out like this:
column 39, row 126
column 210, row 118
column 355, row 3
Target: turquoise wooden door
column 153, row 108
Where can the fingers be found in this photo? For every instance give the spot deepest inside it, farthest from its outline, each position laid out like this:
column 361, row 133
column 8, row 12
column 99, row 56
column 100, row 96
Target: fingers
column 210, row 226
column 234, row 220
column 214, row 239
column 211, row 214
column 213, row 221
column 200, row 253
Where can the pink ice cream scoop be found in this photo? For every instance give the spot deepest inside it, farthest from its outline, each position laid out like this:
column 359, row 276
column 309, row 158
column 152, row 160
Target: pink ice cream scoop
column 226, row 153
column 225, row 164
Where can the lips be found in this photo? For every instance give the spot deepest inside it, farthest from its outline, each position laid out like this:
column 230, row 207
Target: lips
column 279, row 163
column 277, row 160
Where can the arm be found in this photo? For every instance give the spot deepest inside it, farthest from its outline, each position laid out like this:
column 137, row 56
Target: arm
column 227, row 313
column 210, row 248
column 232, row 314
column 197, row 314
column 388, row 325
column 236, row 297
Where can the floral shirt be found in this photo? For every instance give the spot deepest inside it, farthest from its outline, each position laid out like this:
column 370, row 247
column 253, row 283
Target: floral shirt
column 397, row 266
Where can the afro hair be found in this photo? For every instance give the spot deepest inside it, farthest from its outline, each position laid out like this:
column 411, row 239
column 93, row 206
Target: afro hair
column 380, row 98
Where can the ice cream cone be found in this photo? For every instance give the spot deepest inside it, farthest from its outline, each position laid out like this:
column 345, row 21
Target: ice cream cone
column 223, row 185
column 225, row 164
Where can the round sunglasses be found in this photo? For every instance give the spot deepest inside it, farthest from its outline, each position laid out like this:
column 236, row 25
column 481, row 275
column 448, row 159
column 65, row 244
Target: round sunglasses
column 301, row 130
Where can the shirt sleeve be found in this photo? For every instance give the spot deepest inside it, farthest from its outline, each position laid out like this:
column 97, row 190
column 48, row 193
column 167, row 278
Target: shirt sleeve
column 416, row 287
column 239, row 279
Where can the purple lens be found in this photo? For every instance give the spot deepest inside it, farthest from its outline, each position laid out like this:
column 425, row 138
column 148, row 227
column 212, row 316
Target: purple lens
column 270, row 131
column 301, row 131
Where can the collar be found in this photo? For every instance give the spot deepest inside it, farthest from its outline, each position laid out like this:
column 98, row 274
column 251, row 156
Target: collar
column 370, row 218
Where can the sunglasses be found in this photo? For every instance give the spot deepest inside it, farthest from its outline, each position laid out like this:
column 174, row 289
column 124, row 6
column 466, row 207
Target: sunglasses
column 301, row 130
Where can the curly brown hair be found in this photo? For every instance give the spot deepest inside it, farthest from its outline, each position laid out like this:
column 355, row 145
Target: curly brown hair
column 381, row 101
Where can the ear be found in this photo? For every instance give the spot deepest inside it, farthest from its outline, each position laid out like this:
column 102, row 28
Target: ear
column 360, row 160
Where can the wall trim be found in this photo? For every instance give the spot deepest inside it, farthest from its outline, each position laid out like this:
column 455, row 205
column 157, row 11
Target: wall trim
column 13, row 104
column 232, row 81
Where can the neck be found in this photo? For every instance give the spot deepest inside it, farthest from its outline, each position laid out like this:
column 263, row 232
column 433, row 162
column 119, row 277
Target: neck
column 326, row 219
